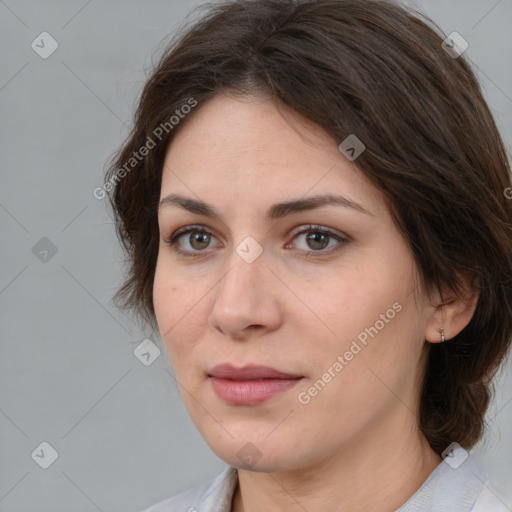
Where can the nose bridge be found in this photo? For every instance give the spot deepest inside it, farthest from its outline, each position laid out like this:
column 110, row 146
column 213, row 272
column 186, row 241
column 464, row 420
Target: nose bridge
column 243, row 297
column 246, row 271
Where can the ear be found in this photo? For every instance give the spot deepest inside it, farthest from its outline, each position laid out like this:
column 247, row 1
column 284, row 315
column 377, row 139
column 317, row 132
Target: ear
column 452, row 313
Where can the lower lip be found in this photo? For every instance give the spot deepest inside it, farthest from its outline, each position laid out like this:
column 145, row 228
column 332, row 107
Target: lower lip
column 250, row 392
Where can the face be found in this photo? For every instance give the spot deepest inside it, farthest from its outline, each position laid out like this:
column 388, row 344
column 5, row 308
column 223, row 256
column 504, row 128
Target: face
column 262, row 274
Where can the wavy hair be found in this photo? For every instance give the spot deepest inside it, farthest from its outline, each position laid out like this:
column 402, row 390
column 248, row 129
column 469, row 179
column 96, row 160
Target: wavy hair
column 377, row 70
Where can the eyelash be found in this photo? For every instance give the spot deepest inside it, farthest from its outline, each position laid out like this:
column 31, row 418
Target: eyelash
column 173, row 238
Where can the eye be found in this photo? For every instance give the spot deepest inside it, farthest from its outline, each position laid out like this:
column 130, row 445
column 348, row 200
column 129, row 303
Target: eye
column 318, row 239
column 198, row 240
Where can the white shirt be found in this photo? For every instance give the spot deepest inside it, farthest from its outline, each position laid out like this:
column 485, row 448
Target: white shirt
column 461, row 488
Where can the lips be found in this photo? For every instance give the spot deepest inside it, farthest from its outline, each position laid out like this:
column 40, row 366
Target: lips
column 250, row 385
column 228, row 371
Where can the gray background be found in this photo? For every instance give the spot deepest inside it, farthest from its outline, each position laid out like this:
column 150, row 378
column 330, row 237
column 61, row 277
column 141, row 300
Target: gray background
column 68, row 375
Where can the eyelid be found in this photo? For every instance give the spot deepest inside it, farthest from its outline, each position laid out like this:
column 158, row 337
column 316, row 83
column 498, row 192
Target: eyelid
column 303, row 228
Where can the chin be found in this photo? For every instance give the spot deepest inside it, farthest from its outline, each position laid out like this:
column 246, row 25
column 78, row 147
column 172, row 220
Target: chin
column 260, row 454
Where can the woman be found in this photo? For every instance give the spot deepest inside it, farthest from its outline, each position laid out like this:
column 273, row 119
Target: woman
column 313, row 202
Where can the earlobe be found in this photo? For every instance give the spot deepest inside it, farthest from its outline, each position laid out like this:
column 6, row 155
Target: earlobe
column 453, row 313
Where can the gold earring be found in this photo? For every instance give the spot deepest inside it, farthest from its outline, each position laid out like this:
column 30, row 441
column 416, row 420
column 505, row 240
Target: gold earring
column 441, row 330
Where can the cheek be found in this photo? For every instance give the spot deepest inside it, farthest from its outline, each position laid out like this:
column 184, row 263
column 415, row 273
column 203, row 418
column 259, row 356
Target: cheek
column 169, row 307
column 362, row 379
column 356, row 299
column 371, row 305
column 178, row 305
column 173, row 294
column 164, row 292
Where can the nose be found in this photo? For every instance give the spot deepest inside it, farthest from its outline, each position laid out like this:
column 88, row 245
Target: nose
column 246, row 299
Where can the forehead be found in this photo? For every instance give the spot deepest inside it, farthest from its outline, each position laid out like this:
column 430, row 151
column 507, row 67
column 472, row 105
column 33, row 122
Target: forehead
column 257, row 150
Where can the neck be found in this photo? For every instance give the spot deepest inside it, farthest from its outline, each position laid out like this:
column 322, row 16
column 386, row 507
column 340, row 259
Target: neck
column 367, row 475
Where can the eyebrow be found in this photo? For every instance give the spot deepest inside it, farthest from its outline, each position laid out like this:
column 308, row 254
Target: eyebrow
column 276, row 211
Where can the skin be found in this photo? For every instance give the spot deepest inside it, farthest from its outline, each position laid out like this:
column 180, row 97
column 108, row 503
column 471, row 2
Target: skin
column 356, row 445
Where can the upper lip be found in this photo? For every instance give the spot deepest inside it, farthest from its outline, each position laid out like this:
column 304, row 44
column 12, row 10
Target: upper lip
column 251, row 372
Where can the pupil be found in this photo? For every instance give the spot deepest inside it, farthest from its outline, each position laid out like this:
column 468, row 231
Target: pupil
column 315, row 239
column 200, row 239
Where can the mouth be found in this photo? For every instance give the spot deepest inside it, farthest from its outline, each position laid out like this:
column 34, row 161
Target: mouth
column 250, row 385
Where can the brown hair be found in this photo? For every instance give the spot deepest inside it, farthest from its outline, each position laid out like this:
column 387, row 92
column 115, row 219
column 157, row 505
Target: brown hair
column 374, row 69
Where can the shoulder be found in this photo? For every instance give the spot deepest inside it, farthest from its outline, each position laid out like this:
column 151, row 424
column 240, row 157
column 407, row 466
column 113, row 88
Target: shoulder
column 490, row 501
column 213, row 495
column 459, row 484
